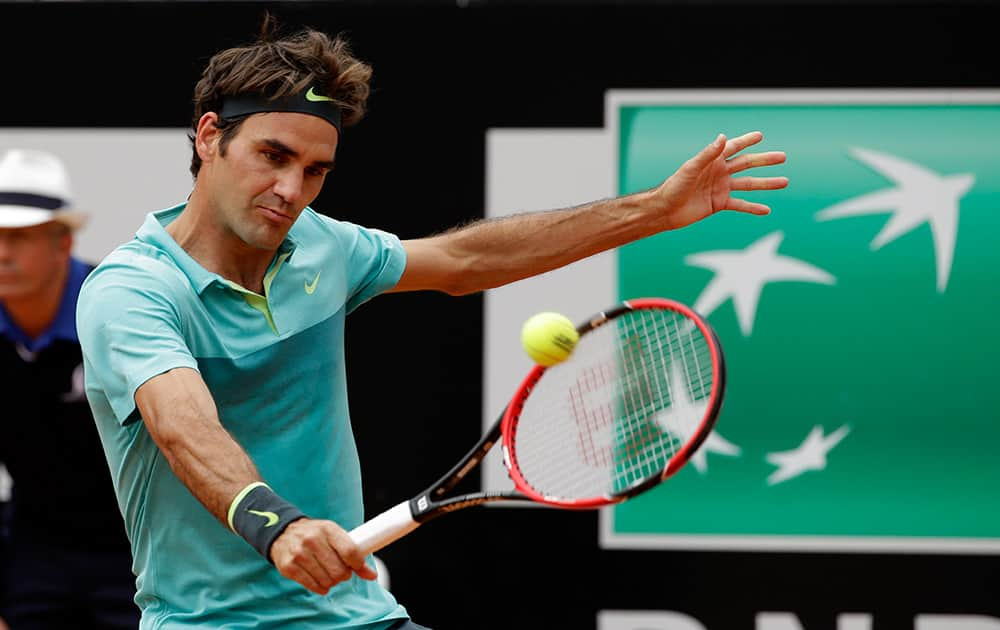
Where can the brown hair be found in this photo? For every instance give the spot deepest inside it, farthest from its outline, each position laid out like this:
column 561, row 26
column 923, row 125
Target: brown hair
column 278, row 67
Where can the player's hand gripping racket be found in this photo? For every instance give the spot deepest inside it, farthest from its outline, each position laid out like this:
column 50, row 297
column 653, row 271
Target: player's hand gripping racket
column 639, row 394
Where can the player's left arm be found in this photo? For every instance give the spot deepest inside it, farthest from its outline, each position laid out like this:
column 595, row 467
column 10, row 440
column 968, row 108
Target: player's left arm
column 493, row 252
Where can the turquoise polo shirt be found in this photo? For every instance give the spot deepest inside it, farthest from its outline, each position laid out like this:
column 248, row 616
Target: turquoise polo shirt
column 275, row 366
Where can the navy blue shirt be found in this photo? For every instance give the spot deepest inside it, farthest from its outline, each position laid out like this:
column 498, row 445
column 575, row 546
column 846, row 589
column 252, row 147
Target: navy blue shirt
column 63, row 493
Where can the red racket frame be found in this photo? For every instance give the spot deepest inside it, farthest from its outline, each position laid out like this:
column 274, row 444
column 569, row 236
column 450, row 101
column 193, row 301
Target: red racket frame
column 512, row 414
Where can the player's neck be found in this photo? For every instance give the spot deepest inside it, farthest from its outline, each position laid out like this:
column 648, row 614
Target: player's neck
column 34, row 313
column 219, row 250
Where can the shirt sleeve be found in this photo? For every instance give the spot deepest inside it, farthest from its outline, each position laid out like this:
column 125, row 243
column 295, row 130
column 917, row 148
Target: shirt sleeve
column 130, row 328
column 375, row 260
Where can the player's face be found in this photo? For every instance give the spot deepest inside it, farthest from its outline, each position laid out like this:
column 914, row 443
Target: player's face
column 31, row 257
column 273, row 168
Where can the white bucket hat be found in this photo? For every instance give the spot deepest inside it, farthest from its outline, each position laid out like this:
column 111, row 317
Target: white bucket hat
column 34, row 189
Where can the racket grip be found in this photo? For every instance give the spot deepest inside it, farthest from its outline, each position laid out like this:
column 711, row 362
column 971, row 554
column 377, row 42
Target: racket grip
column 385, row 528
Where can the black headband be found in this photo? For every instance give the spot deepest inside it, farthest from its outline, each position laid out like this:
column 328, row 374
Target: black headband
column 308, row 102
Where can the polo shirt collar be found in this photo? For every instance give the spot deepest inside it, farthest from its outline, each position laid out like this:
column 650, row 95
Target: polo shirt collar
column 154, row 233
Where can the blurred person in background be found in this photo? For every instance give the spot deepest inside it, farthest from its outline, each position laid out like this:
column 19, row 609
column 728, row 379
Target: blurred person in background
column 66, row 563
column 4, row 528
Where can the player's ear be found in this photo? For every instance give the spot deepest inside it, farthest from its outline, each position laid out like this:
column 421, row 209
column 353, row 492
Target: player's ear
column 206, row 139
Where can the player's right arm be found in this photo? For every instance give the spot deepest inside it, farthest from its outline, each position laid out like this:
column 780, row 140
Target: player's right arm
column 180, row 415
column 131, row 324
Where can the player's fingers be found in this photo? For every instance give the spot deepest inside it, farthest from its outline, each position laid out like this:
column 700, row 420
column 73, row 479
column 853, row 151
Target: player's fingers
column 323, row 562
column 705, row 157
column 307, row 557
column 351, row 555
column 304, row 567
column 742, row 205
column 753, row 160
column 758, row 183
column 739, row 143
column 362, row 570
column 365, row 572
column 303, row 576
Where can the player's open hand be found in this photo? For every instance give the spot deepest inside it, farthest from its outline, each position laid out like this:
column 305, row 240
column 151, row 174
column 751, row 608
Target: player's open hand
column 704, row 184
column 318, row 555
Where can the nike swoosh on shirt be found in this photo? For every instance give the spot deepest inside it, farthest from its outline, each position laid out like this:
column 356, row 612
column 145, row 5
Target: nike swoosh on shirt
column 310, row 287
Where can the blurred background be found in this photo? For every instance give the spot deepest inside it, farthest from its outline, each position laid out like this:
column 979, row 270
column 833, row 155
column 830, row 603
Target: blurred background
column 482, row 108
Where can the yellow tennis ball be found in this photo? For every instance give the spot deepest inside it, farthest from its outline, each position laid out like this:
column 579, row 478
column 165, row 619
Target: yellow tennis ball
column 548, row 338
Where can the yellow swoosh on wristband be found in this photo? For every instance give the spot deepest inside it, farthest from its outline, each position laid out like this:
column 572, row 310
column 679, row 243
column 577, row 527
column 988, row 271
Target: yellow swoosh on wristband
column 236, row 501
column 271, row 517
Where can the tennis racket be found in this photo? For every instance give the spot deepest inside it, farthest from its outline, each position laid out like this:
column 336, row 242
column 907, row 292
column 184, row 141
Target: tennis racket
column 630, row 406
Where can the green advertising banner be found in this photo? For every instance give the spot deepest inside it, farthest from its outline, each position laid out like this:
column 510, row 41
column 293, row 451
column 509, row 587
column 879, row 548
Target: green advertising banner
column 858, row 321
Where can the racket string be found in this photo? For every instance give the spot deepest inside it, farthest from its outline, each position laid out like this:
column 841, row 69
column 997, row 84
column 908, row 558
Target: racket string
column 634, row 392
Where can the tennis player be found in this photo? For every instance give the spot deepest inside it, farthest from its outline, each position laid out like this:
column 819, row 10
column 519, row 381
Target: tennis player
column 214, row 341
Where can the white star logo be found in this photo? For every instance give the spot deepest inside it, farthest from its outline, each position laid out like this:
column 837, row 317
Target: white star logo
column 742, row 274
column 921, row 196
column 685, row 415
column 714, row 443
column 810, row 455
